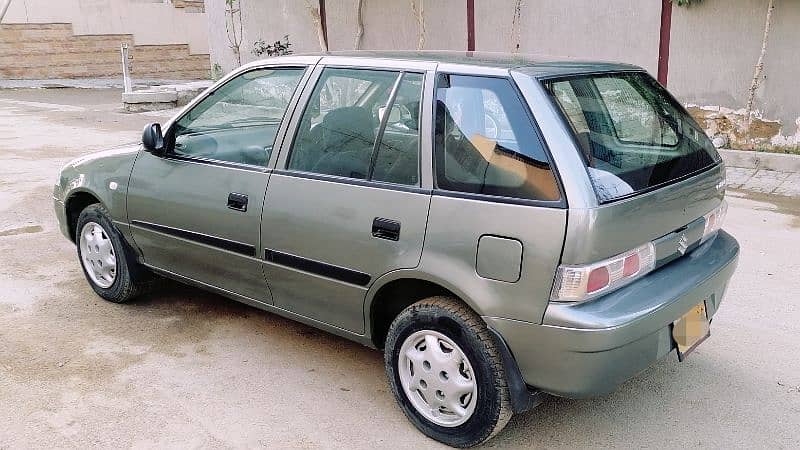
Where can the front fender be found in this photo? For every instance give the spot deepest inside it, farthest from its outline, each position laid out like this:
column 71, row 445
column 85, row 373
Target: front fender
column 103, row 176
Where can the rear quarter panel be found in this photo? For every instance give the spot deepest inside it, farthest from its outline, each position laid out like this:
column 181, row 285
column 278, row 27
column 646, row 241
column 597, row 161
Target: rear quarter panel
column 454, row 227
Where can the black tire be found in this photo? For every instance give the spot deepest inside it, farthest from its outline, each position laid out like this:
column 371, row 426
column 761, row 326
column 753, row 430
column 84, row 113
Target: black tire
column 463, row 326
column 132, row 279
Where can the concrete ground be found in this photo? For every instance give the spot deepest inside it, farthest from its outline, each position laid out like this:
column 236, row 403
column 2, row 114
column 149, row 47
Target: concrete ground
column 184, row 368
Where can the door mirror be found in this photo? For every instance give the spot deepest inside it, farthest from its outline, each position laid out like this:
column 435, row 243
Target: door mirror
column 152, row 139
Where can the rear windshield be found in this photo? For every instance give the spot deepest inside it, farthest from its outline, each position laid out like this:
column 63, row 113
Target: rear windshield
column 633, row 135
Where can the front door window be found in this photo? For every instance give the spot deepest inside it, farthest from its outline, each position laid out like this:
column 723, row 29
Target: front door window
column 239, row 121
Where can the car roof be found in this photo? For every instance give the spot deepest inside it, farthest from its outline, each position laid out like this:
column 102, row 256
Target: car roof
column 533, row 65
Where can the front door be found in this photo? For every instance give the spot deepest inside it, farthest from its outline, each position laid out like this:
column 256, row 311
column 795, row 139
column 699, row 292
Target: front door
column 347, row 205
column 196, row 210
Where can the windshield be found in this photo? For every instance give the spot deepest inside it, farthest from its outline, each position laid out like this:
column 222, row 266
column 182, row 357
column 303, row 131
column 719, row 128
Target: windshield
column 633, row 135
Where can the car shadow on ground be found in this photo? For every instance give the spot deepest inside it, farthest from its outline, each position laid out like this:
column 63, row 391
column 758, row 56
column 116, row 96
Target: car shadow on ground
column 659, row 394
column 204, row 309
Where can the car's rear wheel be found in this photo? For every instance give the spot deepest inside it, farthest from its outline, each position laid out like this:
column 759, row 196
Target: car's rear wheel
column 446, row 372
column 108, row 263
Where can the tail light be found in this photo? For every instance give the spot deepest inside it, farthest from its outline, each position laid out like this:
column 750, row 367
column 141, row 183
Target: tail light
column 714, row 220
column 580, row 283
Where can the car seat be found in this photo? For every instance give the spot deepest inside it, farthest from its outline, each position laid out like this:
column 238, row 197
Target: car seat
column 347, row 141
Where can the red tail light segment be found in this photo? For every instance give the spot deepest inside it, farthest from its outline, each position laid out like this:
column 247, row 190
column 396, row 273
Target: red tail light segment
column 598, row 279
column 580, row 283
column 631, row 265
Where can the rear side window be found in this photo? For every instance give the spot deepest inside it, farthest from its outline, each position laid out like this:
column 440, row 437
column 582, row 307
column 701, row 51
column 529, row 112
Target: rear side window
column 485, row 142
column 633, row 135
column 348, row 112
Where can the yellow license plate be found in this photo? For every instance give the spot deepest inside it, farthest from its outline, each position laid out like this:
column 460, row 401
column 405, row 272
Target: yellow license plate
column 691, row 329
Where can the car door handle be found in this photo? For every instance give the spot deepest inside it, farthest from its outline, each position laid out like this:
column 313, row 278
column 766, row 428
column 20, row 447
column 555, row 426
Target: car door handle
column 237, row 201
column 386, row 229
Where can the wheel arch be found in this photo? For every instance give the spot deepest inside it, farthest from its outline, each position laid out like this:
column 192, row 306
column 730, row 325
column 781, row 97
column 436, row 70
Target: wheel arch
column 395, row 291
column 75, row 202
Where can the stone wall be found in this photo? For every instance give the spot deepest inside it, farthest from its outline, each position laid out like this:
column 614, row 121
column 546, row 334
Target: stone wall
column 150, row 22
column 51, row 51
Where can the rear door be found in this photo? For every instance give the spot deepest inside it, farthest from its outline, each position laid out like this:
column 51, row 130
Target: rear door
column 195, row 211
column 346, row 203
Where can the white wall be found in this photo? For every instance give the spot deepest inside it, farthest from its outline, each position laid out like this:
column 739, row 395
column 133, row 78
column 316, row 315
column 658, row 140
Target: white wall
column 715, row 46
column 392, row 25
column 388, row 25
column 588, row 29
column 612, row 30
column 263, row 19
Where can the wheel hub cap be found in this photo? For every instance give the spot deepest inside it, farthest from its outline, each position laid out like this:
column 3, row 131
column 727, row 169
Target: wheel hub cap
column 97, row 255
column 437, row 378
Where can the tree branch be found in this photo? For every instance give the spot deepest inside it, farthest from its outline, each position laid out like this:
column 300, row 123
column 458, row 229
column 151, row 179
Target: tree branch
column 759, row 68
column 515, row 27
column 233, row 13
column 3, row 8
column 419, row 15
column 359, row 24
column 313, row 11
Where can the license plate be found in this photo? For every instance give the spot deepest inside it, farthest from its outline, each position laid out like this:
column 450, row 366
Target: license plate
column 691, row 330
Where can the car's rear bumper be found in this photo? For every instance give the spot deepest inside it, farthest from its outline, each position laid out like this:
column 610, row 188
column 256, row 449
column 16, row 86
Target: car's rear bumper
column 588, row 349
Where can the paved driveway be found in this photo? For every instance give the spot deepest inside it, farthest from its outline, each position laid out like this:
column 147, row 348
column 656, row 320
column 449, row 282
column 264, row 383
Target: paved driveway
column 184, row 368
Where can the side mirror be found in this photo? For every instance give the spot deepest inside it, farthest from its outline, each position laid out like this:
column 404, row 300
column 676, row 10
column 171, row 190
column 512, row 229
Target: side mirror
column 152, row 139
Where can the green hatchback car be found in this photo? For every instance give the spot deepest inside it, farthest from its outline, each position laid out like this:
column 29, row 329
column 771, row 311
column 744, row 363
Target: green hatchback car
column 501, row 227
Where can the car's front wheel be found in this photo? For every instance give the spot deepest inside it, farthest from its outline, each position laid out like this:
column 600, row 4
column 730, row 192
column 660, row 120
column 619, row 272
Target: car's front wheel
column 108, row 263
column 446, row 372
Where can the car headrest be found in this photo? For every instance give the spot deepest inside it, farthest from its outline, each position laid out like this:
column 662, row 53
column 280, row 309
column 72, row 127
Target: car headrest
column 344, row 125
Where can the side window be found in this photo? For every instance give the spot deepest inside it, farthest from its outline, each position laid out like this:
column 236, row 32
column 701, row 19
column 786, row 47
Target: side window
column 342, row 121
column 397, row 160
column 485, row 142
column 239, row 121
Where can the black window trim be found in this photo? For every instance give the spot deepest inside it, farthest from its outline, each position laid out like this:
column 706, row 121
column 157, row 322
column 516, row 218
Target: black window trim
column 385, row 185
column 169, row 152
column 561, row 203
column 216, row 162
column 376, row 146
column 295, row 131
column 573, row 136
